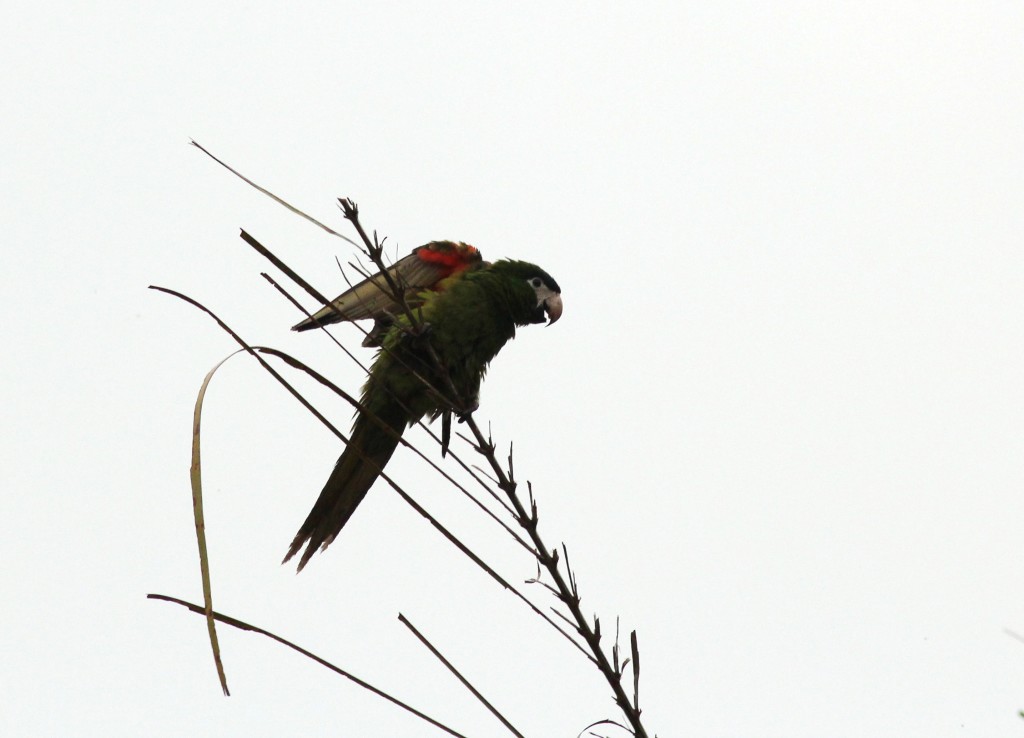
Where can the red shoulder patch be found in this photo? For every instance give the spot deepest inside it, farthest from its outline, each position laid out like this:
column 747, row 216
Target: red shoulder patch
column 452, row 257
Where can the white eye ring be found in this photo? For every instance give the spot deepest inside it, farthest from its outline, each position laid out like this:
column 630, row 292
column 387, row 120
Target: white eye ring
column 535, row 282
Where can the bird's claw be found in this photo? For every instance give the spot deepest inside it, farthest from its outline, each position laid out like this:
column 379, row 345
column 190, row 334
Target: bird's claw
column 467, row 411
column 418, row 334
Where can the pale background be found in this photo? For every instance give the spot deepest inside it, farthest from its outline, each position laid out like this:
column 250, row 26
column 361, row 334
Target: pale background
column 779, row 425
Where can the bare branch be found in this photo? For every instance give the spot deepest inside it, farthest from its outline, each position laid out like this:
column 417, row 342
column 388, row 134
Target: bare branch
column 235, row 623
column 274, row 197
column 265, row 253
column 459, row 676
column 568, row 594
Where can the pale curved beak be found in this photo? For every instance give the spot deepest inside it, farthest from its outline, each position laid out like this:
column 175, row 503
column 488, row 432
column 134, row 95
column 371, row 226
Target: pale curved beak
column 553, row 306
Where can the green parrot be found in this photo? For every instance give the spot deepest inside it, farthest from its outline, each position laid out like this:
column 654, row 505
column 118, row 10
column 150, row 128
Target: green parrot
column 470, row 309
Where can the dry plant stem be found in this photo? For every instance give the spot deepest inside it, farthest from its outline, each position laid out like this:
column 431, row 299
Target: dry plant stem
column 1014, row 635
column 635, row 651
column 274, row 197
column 459, row 676
column 567, row 591
column 195, row 472
column 266, row 254
column 374, row 251
column 235, row 623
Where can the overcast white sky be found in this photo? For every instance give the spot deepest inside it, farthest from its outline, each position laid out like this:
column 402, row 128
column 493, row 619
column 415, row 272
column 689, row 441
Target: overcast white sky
column 780, row 425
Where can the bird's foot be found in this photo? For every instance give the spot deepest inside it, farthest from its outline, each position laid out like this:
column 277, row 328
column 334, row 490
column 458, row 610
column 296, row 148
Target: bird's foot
column 465, row 412
column 418, row 335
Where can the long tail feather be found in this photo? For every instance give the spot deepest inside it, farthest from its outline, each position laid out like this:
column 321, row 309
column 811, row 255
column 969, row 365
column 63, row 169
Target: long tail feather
column 368, row 450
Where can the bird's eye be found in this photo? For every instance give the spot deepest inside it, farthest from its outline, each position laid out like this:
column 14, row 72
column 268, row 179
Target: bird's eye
column 535, row 283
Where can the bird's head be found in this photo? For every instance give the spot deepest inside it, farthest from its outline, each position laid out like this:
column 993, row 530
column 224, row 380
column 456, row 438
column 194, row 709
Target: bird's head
column 548, row 294
column 549, row 297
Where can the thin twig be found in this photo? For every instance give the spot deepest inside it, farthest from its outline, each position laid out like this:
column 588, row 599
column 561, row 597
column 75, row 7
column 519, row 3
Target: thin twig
column 274, row 197
column 235, row 623
column 1014, row 635
column 266, row 253
column 458, row 675
column 635, row 650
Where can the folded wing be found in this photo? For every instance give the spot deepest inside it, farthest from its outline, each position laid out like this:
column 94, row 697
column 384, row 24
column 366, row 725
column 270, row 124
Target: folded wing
column 424, row 269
